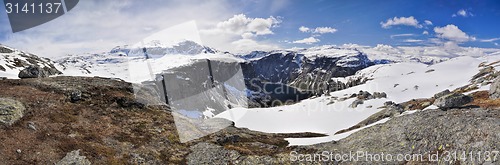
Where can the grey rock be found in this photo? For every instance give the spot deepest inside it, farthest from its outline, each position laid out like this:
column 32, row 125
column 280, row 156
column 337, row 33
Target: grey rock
column 228, row 139
column 208, row 153
column 379, row 95
column 364, row 95
column 430, row 70
column 442, row 93
column 495, row 89
column 137, row 159
column 454, row 100
column 10, row 111
column 418, row 133
column 33, row 72
column 388, row 103
column 75, row 96
column 5, row 50
column 32, row 126
column 388, row 111
column 74, row 158
column 355, row 103
column 263, row 145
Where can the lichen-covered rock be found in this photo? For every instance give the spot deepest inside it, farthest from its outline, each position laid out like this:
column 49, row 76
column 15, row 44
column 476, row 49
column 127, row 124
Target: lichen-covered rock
column 74, row 158
column 454, row 100
column 208, row 153
column 10, row 111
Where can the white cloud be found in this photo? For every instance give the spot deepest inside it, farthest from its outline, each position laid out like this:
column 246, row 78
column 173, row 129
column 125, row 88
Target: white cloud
column 427, row 22
column 490, row 40
column 425, row 32
column 413, row 40
column 323, row 30
column 304, row 29
column 452, row 33
column 402, row 35
column 463, row 13
column 309, row 40
column 242, row 25
column 239, row 33
column 318, row 30
column 406, row 21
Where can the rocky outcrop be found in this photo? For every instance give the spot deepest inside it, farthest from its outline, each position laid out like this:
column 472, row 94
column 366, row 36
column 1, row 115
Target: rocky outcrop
column 74, row 158
column 10, row 111
column 426, row 132
column 361, row 96
column 391, row 109
column 453, row 100
column 34, row 72
column 495, row 89
column 308, row 74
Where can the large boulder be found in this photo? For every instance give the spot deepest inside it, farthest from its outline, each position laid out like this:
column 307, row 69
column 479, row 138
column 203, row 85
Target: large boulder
column 10, row 111
column 34, row 72
column 454, row 100
column 495, row 89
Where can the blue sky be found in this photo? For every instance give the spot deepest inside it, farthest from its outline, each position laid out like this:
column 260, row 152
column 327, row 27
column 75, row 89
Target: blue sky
column 243, row 25
column 359, row 21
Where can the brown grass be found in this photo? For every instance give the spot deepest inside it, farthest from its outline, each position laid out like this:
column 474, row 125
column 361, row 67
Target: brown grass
column 481, row 99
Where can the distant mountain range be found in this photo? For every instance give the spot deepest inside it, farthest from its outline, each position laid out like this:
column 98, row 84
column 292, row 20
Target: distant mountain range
column 291, row 62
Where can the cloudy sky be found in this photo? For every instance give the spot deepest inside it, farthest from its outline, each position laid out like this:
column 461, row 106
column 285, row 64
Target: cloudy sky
column 242, row 25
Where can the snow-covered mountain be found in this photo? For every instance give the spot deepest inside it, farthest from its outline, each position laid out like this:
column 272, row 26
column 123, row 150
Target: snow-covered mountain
column 156, row 48
column 122, row 61
column 12, row 61
column 422, row 54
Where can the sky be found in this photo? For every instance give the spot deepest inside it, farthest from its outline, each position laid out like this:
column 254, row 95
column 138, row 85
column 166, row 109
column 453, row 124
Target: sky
column 239, row 26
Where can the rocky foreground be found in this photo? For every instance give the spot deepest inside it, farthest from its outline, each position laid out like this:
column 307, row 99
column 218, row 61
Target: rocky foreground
column 80, row 120
column 65, row 120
